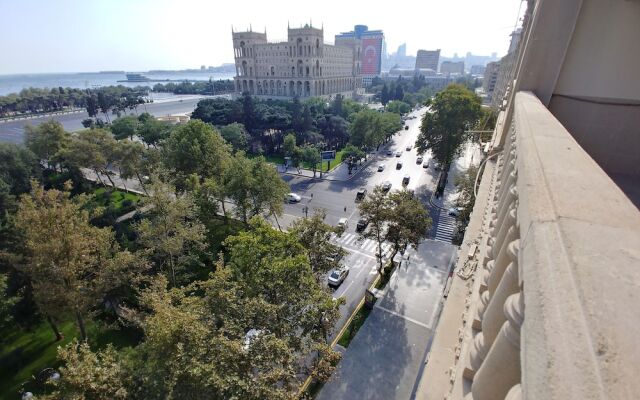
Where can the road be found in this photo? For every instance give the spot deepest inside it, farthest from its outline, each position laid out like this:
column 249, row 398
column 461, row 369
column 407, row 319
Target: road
column 13, row 131
column 337, row 198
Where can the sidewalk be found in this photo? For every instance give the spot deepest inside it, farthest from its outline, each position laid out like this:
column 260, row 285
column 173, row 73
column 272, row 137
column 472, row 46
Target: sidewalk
column 386, row 356
column 471, row 156
column 338, row 173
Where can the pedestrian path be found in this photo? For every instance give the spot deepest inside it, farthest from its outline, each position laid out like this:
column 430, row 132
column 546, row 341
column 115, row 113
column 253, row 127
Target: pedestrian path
column 351, row 240
column 445, row 226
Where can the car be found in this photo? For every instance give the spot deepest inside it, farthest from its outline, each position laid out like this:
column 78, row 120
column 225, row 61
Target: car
column 380, row 167
column 399, row 165
column 386, row 186
column 362, row 224
column 405, row 180
column 419, row 160
column 343, row 223
column 425, row 165
column 398, row 153
column 337, row 276
column 409, row 147
column 389, row 152
column 454, row 211
column 437, row 167
column 293, row 198
column 361, row 193
column 406, row 127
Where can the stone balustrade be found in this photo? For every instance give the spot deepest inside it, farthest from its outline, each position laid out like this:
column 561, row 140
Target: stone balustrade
column 562, row 261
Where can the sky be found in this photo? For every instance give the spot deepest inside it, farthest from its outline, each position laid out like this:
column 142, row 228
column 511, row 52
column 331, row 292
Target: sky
column 40, row 36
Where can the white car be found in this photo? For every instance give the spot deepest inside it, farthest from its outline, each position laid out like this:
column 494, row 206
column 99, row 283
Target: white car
column 454, row 211
column 337, row 276
column 293, row 198
column 398, row 153
column 343, row 223
column 380, row 167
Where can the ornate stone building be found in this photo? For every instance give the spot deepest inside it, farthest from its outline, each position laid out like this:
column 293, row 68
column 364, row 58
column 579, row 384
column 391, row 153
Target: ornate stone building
column 303, row 66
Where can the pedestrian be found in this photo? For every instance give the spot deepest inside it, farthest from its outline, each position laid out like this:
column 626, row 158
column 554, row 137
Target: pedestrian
column 312, row 195
column 345, row 208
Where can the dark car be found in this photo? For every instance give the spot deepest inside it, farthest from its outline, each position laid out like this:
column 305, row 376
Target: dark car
column 399, row 165
column 361, row 193
column 362, row 224
column 406, row 127
column 405, row 180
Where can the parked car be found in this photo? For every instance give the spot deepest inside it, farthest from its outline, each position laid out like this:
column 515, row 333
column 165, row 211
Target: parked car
column 386, row 186
column 406, row 127
column 405, row 180
column 454, row 211
column 389, row 152
column 293, row 198
column 409, row 147
column 380, row 167
column 398, row 153
column 425, row 165
column 399, row 165
column 362, row 224
column 343, row 223
column 419, row 160
column 337, row 276
column 361, row 193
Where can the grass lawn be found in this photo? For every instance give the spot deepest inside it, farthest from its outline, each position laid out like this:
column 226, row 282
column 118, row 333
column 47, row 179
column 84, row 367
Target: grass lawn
column 25, row 353
column 354, row 326
column 116, row 200
column 279, row 160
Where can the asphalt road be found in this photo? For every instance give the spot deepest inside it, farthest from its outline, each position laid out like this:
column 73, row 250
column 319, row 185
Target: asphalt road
column 13, row 131
column 337, row 198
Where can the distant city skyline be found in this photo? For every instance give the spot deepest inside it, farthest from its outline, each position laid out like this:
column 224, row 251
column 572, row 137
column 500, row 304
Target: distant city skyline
column 80, row 36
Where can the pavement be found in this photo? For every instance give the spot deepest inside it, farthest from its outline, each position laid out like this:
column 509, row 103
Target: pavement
column 385, row 358
column 13, row 131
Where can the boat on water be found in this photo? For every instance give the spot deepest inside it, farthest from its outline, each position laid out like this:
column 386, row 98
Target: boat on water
column 137, row 78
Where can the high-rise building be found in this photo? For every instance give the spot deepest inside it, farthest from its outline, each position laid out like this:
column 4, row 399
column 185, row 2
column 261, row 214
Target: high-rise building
column 477, row 70
column 542, row 302
column 371, row 43
column 428, row 59
column 402, row 50
column 302, row 66
column 490, row 79
column 450, row 67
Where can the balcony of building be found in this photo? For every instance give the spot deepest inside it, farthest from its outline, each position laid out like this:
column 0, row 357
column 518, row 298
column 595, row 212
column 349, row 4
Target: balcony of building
column 544, row 303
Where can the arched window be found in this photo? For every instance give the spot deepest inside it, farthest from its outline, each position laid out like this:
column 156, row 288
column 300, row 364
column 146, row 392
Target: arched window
column 273, row 70
column 244, row 68
column 307, row 70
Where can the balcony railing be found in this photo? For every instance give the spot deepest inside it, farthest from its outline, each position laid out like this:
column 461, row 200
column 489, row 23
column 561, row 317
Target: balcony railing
column 559, row 309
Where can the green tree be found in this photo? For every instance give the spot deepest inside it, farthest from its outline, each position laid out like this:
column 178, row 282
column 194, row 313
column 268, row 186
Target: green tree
column 454, row 111
column 7, row 302
column 152, row 131
column 18, row 165
column 315, row 236
column 248, row 111
column 398, row 107
column 466, row 197
column 408, row 222
column 311, row 156
column 129, row 159
column 94, row 149
column 351, row 155
column 171, row 234
column 384, row 95
column 375, row 209
column 196, row 148
column 66, row 258
column 307, row 120
column 236, row 135
column 46, row 140
column 125, row 127
column 289, row 144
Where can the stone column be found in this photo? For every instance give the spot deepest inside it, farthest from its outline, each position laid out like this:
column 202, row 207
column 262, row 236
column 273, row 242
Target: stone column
column 500, row 371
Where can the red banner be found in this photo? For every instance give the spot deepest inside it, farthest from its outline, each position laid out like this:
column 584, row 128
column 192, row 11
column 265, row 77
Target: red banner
column 371, row 52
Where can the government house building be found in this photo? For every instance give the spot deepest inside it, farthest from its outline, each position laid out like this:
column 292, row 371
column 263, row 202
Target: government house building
column 303, row 66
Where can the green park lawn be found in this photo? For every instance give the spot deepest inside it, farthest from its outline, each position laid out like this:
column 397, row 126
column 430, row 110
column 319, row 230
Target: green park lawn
column 24, row 353
column 116, row 199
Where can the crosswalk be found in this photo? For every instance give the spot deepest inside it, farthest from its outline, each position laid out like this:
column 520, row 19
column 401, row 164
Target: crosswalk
column 445, row 227
column 351, row 240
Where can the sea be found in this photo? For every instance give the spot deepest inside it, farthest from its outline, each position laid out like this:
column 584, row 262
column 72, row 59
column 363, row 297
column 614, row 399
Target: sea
column 89, row 80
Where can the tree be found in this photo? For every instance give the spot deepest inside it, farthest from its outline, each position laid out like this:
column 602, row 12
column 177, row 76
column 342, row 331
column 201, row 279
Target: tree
column 398, row 107
column 125, row 127
column 130, row 160
column 171, row 234
column 375, row 209
column 307, row 121
column 311, row 156
column 335, row 130
column 455, row 110
column 196, row 148
column 408, row 222
column 399, row 95
column 46, row 140
column 315, row 236
column 248, row 111
column 152, row 131
column 94, row 149
column 6, row 303
column 289, row 145
column 351, row 155
column 296, row 114
column 466, row 198
column 68, row 261
column 384, row 95
column 336, row 105
column 18, row 165
column 236, row 135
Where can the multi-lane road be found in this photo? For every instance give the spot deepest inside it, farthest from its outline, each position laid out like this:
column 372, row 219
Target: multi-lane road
column 13, row 131
column 338, row 199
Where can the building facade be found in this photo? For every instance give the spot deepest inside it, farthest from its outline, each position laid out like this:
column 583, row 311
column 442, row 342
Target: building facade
column 541, row 302
column 371, row 45
column 428, row 59
column 490, row 79
column 302, row 66
column 452, row 67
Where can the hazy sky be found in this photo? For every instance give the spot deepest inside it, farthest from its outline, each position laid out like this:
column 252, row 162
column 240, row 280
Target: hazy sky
column 138, row 35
